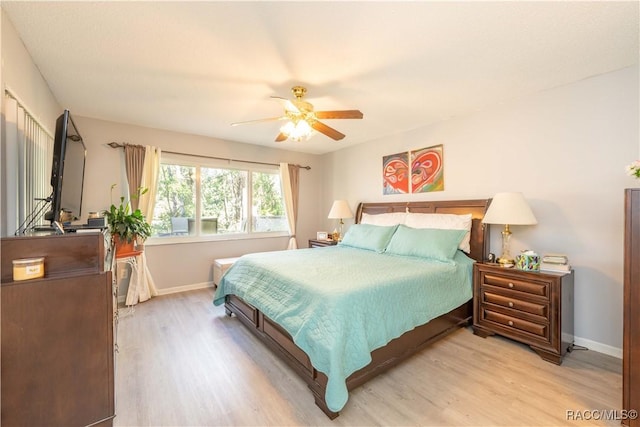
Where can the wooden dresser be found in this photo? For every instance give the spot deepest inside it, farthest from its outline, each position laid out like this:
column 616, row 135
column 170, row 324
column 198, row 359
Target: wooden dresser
column 531, row 307
column 631, row 328
column 57, row 334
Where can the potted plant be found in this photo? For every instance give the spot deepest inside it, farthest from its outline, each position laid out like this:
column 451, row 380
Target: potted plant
column 125, row 225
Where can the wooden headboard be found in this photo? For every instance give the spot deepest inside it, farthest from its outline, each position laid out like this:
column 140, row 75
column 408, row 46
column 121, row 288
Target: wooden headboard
column 479, row 231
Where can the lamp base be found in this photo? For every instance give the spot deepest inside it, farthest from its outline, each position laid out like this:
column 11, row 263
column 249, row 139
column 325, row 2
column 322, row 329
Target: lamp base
column 506, row 260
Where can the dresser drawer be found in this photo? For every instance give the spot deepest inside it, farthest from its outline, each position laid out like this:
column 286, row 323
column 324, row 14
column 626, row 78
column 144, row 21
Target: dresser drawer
column 529, row 287
column 516, row 324
column 516, row 304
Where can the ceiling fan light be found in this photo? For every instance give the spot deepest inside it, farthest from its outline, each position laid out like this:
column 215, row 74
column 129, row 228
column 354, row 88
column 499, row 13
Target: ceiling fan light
column 303, row 121
column 288, row 128
column 303, row 127
column 300, row 131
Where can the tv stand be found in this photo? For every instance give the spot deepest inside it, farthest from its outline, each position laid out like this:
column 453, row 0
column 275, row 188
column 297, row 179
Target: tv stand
column 57, row 333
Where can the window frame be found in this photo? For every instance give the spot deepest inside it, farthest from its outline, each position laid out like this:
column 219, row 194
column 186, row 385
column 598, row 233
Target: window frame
column 199, row 162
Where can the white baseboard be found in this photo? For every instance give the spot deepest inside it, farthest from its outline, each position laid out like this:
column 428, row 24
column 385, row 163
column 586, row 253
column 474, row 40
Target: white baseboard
column 185, row 288
column 175, row 290
column 599, row 347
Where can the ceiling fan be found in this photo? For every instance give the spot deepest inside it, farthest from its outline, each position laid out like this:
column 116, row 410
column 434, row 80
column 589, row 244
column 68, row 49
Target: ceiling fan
column 302, row 119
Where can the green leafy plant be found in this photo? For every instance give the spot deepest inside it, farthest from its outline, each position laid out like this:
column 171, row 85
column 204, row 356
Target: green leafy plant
column 126, row 223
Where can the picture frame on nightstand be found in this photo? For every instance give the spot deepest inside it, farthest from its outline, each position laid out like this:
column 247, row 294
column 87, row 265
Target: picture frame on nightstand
column 322, row 235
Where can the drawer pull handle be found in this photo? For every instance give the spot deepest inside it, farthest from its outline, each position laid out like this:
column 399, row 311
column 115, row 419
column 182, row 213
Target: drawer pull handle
column 510, row 303
column 510, row 285
column 510, row 322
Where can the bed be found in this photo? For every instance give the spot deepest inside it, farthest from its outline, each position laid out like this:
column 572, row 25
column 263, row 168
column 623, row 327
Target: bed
column 319, row 316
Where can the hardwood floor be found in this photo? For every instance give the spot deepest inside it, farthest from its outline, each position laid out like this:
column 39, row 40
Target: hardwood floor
column 178, row 355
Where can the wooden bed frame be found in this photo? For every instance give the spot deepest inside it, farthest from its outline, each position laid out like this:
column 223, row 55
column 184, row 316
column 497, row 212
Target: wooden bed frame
column 276, row 338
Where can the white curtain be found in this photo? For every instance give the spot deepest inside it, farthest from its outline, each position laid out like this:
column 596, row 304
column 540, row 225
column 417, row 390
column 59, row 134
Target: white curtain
column 145, row 287
column 289, row 177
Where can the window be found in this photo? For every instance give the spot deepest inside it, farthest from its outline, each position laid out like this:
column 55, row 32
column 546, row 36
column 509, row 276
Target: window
column 198, row 198
column 268, row 203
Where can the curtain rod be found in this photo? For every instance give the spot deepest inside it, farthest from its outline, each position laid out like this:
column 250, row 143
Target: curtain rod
column 119, row 145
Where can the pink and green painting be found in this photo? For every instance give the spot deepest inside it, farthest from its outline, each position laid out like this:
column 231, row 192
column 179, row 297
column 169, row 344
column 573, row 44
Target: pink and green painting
column 395, row 173
column 427, row 169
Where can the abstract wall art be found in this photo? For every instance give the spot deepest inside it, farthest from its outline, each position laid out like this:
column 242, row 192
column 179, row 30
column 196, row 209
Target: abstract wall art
column 416, row 171
column 395, row 173
column 427, row 170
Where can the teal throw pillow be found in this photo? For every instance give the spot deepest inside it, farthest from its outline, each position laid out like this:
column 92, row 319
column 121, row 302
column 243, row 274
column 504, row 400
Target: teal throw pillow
column 431, row 243
column 369, row 237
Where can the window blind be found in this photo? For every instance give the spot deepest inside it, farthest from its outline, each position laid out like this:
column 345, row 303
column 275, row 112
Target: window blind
column 33, row 149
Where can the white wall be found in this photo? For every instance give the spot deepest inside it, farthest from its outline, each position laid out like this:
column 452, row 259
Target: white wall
column 20, row 75
column 185, row 264
column 565, row 149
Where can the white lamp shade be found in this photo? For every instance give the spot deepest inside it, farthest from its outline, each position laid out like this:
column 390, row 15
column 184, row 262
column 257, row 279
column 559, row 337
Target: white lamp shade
column 340, row 209
column 509, row 209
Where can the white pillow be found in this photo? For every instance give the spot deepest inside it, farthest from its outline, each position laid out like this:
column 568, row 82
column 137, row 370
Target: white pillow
column 385, row 219
column 443, row 221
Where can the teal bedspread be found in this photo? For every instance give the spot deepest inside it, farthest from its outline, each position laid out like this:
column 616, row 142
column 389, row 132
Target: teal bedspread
column 340, row 303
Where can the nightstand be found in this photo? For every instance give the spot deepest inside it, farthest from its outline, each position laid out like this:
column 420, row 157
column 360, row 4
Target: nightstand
column 314, row 243
column 535, row 308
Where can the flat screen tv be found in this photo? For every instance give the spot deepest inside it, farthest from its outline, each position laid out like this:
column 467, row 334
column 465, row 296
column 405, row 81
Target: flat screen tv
column 67, row 170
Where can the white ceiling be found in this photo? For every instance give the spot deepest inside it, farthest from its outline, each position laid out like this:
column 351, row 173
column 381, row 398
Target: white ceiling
column 196, row 67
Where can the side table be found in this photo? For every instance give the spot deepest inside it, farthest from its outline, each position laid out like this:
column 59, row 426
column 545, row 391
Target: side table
column 535, row 308
column 315, row 243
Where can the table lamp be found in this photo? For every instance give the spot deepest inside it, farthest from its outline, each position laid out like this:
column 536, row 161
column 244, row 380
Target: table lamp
column 508, row 209
column 340, row 210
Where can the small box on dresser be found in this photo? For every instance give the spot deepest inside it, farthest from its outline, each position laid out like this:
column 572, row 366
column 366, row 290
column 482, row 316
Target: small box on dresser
column 535, row 308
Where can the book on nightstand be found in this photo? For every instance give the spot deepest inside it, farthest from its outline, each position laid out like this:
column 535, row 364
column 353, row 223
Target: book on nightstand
column 555, row 262
column 555, row 259
column 545, row 266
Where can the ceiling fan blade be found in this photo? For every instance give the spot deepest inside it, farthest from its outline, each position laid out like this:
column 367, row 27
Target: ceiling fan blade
column 288, row 105
column 329, row 131
column 270, row 119
column 339, row 114
column 281, row 137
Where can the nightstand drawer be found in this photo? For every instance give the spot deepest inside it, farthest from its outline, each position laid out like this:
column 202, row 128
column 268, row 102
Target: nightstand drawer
column 515, row 323
column 516, row 304
column 529, row 287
